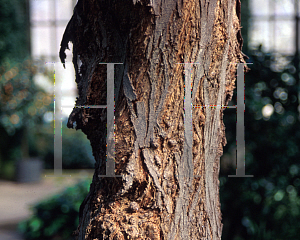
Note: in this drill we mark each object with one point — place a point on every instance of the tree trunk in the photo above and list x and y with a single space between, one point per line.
169 187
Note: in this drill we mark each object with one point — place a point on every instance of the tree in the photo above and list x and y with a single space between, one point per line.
169 187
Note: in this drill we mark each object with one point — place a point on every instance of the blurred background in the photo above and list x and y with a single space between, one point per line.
30 35
33 206
267 205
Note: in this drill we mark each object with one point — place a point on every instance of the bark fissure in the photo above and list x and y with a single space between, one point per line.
169 185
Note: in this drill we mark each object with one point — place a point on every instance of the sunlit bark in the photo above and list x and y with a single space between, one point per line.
170 188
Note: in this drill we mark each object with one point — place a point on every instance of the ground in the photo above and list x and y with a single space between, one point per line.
16 198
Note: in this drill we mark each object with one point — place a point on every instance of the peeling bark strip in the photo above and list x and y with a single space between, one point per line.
169 187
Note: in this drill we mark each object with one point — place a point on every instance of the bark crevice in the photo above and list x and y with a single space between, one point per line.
169 185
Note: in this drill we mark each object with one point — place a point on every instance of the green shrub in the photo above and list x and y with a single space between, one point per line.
56 217
76 148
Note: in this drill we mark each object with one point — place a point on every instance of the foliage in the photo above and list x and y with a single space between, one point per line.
56 217
14 34
22 103
73 157
22 107
267 205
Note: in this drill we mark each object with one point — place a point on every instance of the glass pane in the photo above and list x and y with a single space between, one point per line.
41 80
285 37
40 41
39 10
52 7
284 7
68 86
259 7
259 33
59 33
64 9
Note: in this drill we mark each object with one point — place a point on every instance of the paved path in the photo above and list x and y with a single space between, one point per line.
16 198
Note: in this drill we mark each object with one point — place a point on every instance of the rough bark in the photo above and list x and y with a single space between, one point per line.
163 194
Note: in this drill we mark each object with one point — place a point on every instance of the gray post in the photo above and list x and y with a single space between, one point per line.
240 125
110 140
188 118
57 128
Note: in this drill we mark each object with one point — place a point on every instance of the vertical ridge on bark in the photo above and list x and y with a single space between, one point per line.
158 196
